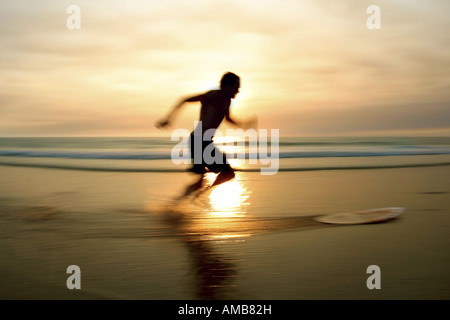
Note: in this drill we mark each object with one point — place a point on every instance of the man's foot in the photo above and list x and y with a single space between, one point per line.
224 176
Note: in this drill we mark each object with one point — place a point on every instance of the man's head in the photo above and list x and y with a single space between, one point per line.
230 83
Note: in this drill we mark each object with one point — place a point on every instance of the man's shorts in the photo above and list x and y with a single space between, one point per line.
217 166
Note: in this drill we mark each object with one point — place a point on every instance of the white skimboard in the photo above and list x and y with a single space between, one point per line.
362 217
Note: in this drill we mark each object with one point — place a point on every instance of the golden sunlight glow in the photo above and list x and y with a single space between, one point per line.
229 199
237 163
229 144
222 214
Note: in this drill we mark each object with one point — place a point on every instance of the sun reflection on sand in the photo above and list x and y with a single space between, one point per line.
229 199
226 203
219 213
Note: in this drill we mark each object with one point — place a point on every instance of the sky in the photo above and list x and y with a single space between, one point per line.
307 67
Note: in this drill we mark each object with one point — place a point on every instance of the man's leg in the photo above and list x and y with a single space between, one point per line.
226 173
224 176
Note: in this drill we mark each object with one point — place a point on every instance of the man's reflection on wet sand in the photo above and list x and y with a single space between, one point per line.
213 272
220 220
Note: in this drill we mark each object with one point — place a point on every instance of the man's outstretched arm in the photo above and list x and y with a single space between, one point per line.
167 120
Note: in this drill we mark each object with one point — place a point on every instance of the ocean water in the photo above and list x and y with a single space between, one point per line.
153 154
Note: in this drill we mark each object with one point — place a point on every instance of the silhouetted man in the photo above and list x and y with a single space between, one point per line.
215 106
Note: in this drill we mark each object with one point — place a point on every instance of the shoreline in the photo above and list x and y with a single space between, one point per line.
285 165
113 225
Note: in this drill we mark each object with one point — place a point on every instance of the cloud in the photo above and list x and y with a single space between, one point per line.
369 118
132 59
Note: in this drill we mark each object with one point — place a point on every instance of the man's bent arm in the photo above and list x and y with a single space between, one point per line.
231 120
242 124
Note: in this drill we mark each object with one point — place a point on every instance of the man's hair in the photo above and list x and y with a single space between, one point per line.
229 79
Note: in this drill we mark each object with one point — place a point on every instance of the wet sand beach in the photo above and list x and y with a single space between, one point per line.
259 242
